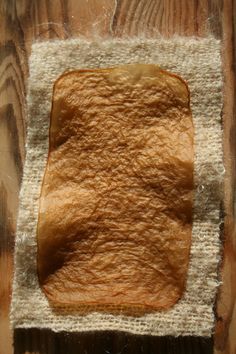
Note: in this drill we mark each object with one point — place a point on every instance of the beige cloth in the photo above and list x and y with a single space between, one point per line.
198 61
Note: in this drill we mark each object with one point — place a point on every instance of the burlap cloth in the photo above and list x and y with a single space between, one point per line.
198 61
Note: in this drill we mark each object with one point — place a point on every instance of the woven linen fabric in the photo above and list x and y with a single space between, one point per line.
198 61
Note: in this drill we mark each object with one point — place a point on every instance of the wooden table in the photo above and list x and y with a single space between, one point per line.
22 22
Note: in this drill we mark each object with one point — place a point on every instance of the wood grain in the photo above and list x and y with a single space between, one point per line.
225 341
23 21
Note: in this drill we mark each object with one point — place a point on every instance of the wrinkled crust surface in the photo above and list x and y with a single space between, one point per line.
115 214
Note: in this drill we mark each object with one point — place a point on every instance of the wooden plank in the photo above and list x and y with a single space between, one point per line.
225 341
22 22
36 341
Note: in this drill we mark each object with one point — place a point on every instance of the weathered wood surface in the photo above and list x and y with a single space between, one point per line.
23 21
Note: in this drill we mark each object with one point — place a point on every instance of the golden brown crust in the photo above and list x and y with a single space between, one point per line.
115 214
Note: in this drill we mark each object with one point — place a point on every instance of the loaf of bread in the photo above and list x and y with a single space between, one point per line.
115 214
